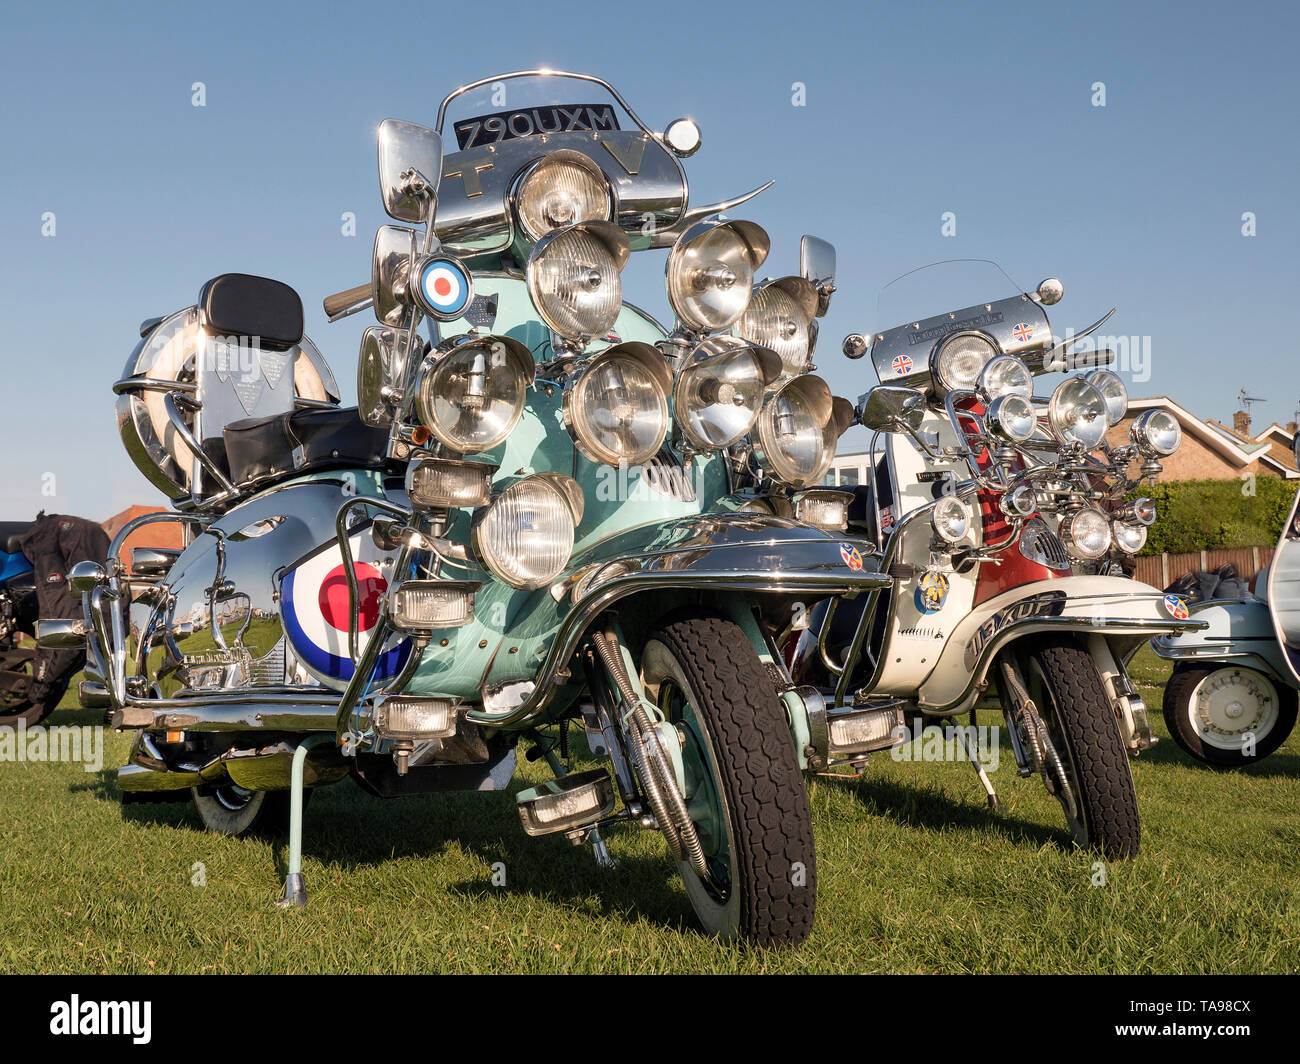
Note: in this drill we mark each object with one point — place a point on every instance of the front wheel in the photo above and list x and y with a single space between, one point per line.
743 790
232 810
1090 771
1227 715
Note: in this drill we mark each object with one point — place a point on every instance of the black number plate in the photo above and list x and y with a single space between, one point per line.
527 121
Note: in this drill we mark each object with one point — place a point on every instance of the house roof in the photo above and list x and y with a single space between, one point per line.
1249 444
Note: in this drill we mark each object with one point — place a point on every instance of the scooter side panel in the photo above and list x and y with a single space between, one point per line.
1238 629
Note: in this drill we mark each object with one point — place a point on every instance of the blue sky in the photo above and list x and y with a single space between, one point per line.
910 112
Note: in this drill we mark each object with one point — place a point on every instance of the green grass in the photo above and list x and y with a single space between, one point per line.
914 876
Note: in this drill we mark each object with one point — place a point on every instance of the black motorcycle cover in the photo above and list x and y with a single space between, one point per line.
54 545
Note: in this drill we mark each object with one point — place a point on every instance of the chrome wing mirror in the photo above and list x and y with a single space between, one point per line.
817 264
892 408
410 167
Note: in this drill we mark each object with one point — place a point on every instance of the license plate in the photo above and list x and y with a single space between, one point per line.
527 121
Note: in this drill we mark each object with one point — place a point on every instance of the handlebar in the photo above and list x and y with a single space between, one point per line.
341 301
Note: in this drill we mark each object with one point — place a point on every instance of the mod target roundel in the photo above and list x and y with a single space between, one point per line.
314 606
445 287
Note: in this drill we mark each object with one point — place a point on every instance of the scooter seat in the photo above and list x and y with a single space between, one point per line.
269 448
10 533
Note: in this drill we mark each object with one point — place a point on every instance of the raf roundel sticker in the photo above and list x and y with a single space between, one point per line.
314 605
1024 332
445 288
852 557
1177 607
902 364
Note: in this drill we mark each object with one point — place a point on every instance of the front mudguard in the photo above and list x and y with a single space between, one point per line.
729 562
1236 630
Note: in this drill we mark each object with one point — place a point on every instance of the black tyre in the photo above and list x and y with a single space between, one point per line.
745 794
231 810
1227 715
1071 699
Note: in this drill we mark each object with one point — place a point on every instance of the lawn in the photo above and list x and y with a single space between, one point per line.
915 875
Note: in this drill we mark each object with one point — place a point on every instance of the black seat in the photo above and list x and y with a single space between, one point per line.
265 448
11 532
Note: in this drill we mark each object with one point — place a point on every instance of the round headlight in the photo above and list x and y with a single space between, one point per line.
1021 501
1086 534
1141 511
958 361
796 431
1157 433
616 410
711 270
525 536
573 278
719 390
562 189
1113 392
472 391
1077 413
1129 538
780 317
1012 417
951 518
1006 375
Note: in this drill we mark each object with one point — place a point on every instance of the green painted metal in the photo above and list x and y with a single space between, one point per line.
295 798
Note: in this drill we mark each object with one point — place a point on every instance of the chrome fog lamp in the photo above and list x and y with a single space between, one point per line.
780 316
825 508
429 605
1012 417
1021 501
472 391
1130 538
86 576
710 272
573 279
797 429
1077 413
719 390
376 386
1141 511
1157 433
403 717
569 802
959 360
526 535
862 731
616 408
1086 534
683 137
447 483
1006 375
1112 391
951 519
559 190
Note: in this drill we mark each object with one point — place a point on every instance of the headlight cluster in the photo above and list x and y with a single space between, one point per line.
1077 413
719 390
574 279
1086 534
710 272
780 317
797 429
559 190
1157 433
526 535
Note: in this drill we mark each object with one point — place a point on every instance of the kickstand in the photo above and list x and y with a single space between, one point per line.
604 859
295 890
972 757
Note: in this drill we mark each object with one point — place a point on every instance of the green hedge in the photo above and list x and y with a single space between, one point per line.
1205 514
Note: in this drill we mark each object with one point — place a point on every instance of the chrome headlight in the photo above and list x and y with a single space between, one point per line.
1086 534
562 189
472 391
1130 538
616 410
1012 417
796 431
1113 392
1006 375
951 519
1021 501
1077 413
779 317
710 272
1141 511
525 536
959 360
719 390
1157 433
573 279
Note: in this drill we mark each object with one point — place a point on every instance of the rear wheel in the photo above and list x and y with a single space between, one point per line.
743 792
232 810
1227 715
1091 770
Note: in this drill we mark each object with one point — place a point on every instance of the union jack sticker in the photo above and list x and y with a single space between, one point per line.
1024 332
902 364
